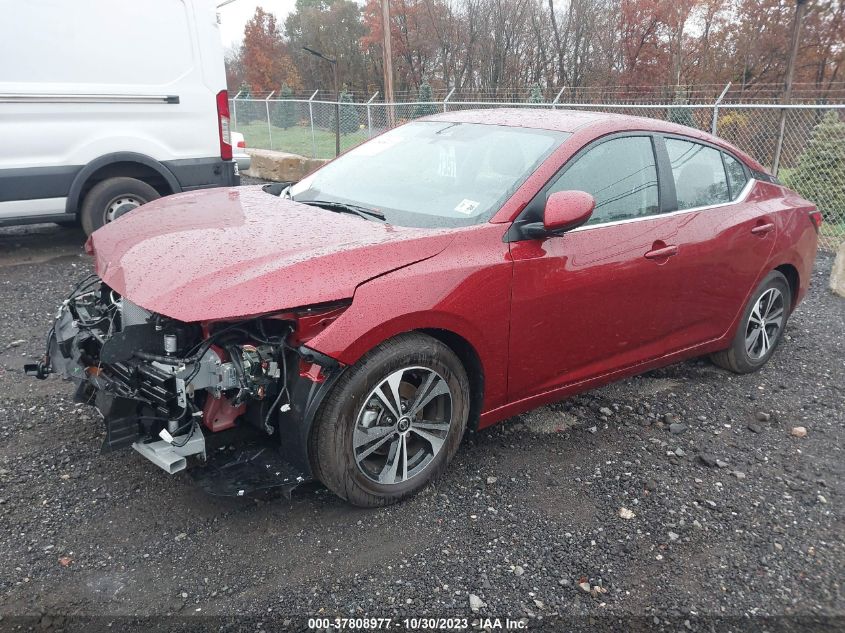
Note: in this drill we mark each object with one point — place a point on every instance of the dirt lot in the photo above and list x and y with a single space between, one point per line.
526 519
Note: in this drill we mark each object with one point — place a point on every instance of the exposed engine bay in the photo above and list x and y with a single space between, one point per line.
166 387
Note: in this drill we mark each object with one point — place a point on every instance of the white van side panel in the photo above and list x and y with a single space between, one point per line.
107 50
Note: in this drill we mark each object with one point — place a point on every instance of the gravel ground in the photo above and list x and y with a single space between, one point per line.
677 500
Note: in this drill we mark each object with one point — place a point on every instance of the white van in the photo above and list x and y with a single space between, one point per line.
108 104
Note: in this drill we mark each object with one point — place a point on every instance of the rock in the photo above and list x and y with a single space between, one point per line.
518 571
837 273
763 417
491 480
680 452
564 582
280 166
677 428
593 429
674 536
476 603
180 537
707 459
721 463
755 428
670 418
822 499
606 411
584 586
651 484
625 513
738 474
798 431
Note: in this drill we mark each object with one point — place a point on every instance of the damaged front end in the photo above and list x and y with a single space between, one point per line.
237 396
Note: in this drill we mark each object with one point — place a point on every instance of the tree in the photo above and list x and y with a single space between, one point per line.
681 116
820 165
425 98
348 113
536 95
264 55
284 114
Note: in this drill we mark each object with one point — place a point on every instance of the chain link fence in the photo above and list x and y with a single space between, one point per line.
809 156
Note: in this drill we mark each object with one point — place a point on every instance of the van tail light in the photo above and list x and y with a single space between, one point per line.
816 218
223 125
242 144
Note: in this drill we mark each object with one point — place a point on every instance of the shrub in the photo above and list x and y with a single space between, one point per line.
819 175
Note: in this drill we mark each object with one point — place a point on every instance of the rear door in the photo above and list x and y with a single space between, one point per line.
601 297
725 241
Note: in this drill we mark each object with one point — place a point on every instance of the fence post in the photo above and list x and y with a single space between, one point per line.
311 119
235 109
267 108
369 116
716 108
557 98
446 100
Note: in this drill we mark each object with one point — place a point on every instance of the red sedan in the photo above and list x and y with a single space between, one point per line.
450 273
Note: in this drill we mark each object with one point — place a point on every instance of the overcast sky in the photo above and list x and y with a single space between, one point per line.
234 16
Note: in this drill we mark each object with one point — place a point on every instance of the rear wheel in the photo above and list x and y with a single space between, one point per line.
392 422
761 328
112 198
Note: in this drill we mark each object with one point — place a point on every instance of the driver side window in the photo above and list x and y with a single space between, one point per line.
620 174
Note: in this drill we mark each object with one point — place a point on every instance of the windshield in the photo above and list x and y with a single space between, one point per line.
433 173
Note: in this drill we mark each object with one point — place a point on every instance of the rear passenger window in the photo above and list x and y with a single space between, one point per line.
736 175
620 174
699 174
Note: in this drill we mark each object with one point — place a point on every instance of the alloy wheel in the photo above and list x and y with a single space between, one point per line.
403 425
764 324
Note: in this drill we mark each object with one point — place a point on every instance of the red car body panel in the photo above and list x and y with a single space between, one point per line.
229 253
545 318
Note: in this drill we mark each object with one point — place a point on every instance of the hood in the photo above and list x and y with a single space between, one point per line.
226 253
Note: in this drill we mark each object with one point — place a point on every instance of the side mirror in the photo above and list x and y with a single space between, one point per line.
567 210
564 210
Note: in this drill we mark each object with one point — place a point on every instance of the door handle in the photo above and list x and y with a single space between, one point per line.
662 253
762 229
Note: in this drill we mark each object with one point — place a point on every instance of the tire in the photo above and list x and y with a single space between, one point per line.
112 197
772 298
352 411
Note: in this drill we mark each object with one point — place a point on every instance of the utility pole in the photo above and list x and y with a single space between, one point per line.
388 61
790 70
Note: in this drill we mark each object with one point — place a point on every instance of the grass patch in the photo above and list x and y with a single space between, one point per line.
298 139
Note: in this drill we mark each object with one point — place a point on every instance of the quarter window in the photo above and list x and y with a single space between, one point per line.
736 175
698 173
620 174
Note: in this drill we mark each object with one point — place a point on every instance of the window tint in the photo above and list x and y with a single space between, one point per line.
621 176
736 175
699 174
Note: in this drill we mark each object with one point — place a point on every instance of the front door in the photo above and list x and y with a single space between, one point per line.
600 297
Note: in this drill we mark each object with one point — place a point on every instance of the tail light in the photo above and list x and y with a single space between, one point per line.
223 125
242 144
816 218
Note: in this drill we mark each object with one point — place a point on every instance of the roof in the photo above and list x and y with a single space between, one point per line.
590 121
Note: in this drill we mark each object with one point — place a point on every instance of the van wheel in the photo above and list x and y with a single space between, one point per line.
392 422
111 198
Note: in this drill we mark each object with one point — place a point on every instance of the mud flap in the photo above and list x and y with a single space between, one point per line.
120 419
236 471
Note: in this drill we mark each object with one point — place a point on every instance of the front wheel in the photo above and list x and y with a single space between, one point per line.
392 422
761 328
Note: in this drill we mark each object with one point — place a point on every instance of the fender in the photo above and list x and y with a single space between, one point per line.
109 159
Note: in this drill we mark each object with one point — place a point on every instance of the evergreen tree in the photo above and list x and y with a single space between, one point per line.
681 116
536 95
284 113
348 113
821 167
426 98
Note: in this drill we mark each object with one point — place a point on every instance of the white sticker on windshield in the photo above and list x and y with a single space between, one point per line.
467 206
